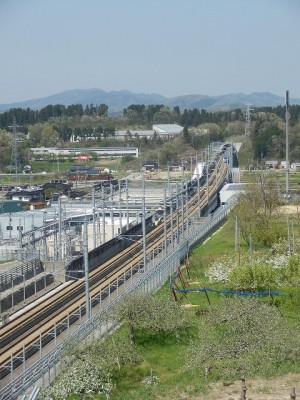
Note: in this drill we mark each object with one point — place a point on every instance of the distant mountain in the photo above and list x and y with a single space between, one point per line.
117 100
228 101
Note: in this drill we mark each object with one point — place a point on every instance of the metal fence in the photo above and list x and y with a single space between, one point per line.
8 254
25 270
44 371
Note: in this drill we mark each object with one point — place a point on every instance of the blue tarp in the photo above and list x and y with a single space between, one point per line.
224 291
227 291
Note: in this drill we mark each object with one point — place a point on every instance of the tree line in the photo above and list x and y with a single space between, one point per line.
136 114
58 125
28 116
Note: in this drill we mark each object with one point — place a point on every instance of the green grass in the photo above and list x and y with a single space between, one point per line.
219 244
294 178
26 179
163 358
56 167
56 170
60 168
164 355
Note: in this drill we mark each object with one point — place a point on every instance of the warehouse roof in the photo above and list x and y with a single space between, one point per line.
171 129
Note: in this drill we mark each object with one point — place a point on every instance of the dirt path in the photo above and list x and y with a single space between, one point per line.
257 389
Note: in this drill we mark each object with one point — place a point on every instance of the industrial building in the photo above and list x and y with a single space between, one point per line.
167 129
162 130
40 152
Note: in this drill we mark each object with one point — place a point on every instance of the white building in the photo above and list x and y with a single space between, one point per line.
30 224
75 152
295 166
162 130
231 190
122 135
167 129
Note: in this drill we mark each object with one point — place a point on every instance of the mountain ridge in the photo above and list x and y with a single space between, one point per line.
117 100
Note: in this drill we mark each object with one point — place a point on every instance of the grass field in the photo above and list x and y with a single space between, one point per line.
164 355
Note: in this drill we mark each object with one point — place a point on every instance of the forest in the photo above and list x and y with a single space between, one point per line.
93 125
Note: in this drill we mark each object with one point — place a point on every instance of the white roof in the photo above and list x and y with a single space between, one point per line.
168 128
133 132
231 189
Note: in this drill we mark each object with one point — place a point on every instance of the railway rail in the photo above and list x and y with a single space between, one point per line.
18 337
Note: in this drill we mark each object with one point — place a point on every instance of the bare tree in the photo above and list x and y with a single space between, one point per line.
258 209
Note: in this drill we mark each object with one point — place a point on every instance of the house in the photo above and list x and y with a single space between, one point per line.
27 196
271 164
150 166
78 169
177 166
295 166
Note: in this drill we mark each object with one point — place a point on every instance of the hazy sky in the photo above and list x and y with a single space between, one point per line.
171 47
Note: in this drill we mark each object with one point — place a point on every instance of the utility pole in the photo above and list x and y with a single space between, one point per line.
59 252
94 219
14 150
144 227
165 222
287 167
144 233
169 180
86 271
246 112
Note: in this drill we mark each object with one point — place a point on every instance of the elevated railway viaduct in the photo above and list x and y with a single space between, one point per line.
114 269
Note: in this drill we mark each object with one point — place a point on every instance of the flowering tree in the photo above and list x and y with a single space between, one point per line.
240 337
273 269
115 351
255 277
83 378
156 314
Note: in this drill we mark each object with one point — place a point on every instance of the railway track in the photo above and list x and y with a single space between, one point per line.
34 323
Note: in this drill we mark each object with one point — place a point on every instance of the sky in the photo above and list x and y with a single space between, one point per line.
170 47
